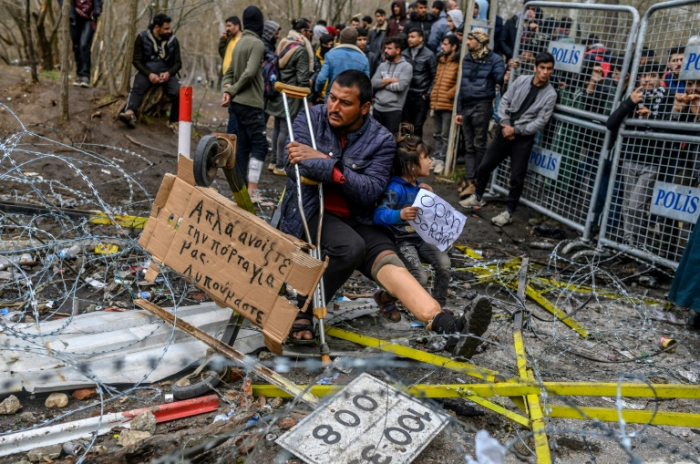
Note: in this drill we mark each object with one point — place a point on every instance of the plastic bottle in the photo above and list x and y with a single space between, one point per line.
68 253
146 295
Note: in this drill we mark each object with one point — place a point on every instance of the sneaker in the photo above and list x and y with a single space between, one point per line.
279 172
472 202
387 306
433 163
174 127
128 117
85 82
439 167
271 167
476 321
506 217
78 81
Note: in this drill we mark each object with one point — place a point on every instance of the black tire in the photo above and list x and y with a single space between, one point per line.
208 380
203 163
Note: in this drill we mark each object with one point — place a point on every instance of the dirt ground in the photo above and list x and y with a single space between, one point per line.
621 346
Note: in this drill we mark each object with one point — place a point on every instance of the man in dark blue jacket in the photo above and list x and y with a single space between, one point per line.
352 163
482 70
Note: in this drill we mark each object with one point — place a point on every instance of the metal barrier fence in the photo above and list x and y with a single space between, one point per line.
593 46
652 200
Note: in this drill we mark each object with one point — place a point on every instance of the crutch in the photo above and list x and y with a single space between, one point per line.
319 303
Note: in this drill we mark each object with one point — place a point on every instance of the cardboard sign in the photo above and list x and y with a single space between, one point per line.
238 259
567 56
545 162
690 68
366 422
676 202
438 223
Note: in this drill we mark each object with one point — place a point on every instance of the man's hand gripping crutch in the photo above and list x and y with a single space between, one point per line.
318 301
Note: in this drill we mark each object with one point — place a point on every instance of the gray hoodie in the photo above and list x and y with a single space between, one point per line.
536 117
393 96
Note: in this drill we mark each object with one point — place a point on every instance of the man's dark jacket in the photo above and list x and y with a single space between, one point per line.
479 79
147 60
96 9
423 24
509 33
424 69
365 163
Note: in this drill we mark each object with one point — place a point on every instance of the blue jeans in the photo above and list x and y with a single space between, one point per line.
252 136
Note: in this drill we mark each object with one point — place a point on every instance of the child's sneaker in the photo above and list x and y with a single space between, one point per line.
387 306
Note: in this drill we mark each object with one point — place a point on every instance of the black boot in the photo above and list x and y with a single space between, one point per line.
467 327
693 320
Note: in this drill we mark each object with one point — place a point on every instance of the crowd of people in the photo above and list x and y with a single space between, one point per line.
373 84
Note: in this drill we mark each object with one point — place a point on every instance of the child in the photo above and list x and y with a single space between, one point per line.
411 162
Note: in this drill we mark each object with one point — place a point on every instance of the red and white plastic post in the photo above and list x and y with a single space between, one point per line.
185 125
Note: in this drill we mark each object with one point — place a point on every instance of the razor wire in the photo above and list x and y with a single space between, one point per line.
48 282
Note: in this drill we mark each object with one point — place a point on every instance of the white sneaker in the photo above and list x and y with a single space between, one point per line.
472 202
502 219
433 163
439 167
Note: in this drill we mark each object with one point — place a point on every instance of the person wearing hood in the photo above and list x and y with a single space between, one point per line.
271 33
243 90
421 19
325 44
295 61
509 34
343 57
482 71
398 19
483 9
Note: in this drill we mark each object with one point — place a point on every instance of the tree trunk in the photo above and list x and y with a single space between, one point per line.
65 61
30 41
44 43
129 48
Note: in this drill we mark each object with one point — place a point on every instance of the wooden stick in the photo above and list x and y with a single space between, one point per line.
143 145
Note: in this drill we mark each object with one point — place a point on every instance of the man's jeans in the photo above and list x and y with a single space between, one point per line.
81 35
518 150
475 130
252 136
443 119
415 111
232 126
280 132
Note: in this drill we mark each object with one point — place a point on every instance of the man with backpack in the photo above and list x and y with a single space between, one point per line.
243 89
295 61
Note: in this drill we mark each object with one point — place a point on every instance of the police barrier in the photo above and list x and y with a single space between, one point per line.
653 201
593 47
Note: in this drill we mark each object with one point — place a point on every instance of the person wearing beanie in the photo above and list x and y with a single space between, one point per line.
482 71
271 33
345 56
295 59
243 91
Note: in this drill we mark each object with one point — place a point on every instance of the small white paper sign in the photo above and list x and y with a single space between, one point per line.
437 222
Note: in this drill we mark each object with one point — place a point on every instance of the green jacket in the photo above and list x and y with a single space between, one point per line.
295 72
244 74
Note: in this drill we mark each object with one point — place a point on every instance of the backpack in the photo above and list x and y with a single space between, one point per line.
271 70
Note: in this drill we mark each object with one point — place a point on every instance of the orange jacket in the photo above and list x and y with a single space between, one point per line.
443 95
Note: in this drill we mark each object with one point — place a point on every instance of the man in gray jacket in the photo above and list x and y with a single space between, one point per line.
390 84
525 109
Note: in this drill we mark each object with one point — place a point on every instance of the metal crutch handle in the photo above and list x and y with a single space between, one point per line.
318 301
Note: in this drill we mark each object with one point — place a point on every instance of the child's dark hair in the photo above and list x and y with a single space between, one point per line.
409 149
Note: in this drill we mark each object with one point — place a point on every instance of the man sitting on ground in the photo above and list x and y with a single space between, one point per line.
353 162
157 59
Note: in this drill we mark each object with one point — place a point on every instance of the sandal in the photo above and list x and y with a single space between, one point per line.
302 324
387 306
